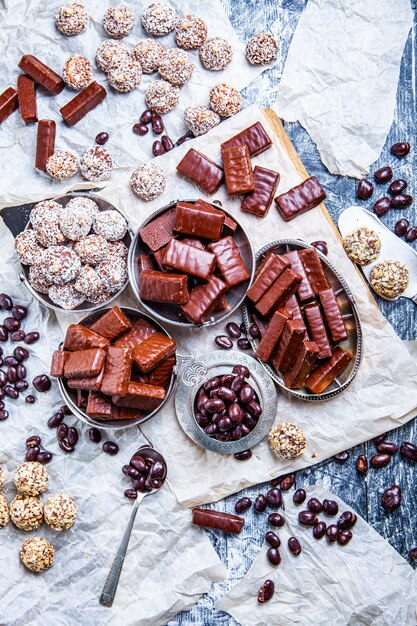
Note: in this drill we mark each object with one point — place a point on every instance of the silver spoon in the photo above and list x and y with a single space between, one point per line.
110 586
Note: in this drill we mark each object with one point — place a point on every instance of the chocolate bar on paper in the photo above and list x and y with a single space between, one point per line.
201 170
84 363
238 169
152 351
317 329
217 519
304 363
80 337
189 259
258 202
87 384
141 396
289 345
8 103
292 305
41 73
333 315
141 330
58 363
300 199
27 99
229 261
117 370
161 374
112 324
328 370
45 143
159 231
305 291
204 299
163 287
271 335
199 219
272 267
255 137
284 286
84 102
314 270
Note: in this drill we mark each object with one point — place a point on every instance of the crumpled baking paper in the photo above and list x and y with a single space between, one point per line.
28 27
169 563
365 582
340 78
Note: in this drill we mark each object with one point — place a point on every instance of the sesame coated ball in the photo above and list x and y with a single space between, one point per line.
4 511
75 223
118 21
162 97
60 264
107 51
77 72
216 54
66 296
287 441
148 52
26 512
190 32
47 209
88 283
225 100
148 181
72 19
60 511
176 67
31 478
27 247
37 554
159 19
96 164
62 165
124 73
110 224
92 249
261 49
2 477
200 119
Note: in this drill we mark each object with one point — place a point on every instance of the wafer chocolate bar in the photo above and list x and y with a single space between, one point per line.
163 287
304 363
204 299
80 337
58 363
41 73
45 143
317 330
333 315
161 374
328 370
284 286
292 305
99 406
305 291
84 363
27 99
271 335
258 202
124 413
140 396
314 270
289 345
229 261
300 199
8 103
229 226
141 330
145 263
193 241
159 258
117 370
189 259
217 519
199 219
238 170
201 170
272 267
112 324
84 102
87 384
255 137
152 351
159 231
81 398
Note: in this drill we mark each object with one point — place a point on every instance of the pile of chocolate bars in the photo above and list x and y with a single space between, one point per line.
120 370
299 318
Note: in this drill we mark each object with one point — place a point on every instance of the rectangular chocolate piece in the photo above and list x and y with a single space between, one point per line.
269 256
117 370
289 345
238 169
199 219
255 137
223 305
284 286
82 399
152 351
141 396
259 201
124 413
333 315
145 263
201 170
8 103
141 330
159 231
45 143
80 337
292 305
112 324
98 406
263 324
229 226
161 374
27 99
87 384
217 519
317 329
159 259
84 363
305 291
41 73
229 261
328 370
272 268
271 335
307 356
163 287
193 241
300 199
58 363
314 270
204 299
188 259
83 103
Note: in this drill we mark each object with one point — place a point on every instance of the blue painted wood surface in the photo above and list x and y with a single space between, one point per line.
363 494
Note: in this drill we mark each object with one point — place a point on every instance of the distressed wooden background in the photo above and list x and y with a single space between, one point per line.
362 493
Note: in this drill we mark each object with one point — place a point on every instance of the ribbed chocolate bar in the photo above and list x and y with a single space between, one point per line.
83 103
328 370
289 345
98 406
238 169
140 396
141 330
189 259
284 286
87 384
255 137
199 219
292 305
124 413
333 315
300 199
79 337
112 324
318 330
204 299
314 270
27 99
84 363
305 291
229 261
259 201
159 231
45 143
58 363
272 267
8 103
163 287
217 519
201 170
152 351
271 335
41 73
193 241
117 370
146 263
161 374
304 363
158 257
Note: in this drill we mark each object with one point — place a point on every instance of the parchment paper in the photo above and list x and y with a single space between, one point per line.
365 582
340 78
29 27
169 564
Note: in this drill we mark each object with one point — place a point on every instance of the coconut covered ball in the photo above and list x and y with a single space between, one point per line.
107 51
261 49
190 32
96 164
27 247
88 283
92 249
4 511
148 181
2 477
112 273
176 67
110 224
159 19
86 204
162 97
60 511
77 72
72 19
225 100
148 52
287 441
66 296
38 279
62 165
118 21
37 554
124 73
60 264
31 478
200 119
75 223
45 210
216 54
26 512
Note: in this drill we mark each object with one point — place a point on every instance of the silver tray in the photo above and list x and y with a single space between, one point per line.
349 313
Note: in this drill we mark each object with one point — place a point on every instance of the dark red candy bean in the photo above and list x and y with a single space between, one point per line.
319 530
238 382
260 503
30 399
243 344
243 456
332 533
411 234
20 353
184 138
62 431
241 370
11 323
266 592
65 410
397 186
408 450
125 469
274 497
2 394
243 505
250 421
140 484
294 546
157 124
401 200
274 556
18 335
10 360
387 447
321 246
4 335
307 518
211 430
380 460
42 383
3 378
110 447
400 149
212 383
379 438
33 441
21 372
233 330
226 380
391 498
224 424
44 457
6 302
299 496
383 174
342 457
19 312
223 342
132 494
102 138
72 435
330 507
32 453
362 464
276 519
55 420
65 446
254 408
254 331
157 148
1 405
11 392
381 206
94 435
401 227
140 129
21 385
344 537
158 471
236 433
413 554
365 189
167 143
146 117
4 415
214 405
201 420
226 394
138 462
31 337
314 505
347 520
246 394
287 482
272 539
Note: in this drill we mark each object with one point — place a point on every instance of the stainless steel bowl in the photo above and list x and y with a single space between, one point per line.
70 395
170 313
86 306
349 313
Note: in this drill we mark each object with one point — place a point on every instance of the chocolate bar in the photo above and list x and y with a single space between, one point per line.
161 374
307 356
318 330
45 143
163 287
159 231
199 219
238 169
141 330
159 258
255 137
112 324
87 384
140 396
289 345
79 337
305 291
81 398
314 270
328 370
145 263
300 199
229 261
201 170
58 363
84 363
265 262
83 103
8 103
27 99
271 335
263 324
204 299
223 305
152 351
189 259
333 315
284 286
117 370
98 406
292 305
272 267
217 519
41 73
229 226
124 413
259 201
138 377
193 241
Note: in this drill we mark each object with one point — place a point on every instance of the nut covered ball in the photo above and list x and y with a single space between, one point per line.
37 554
26 512
107 51
60 264
77 72
62 165
2 477
190 32
261 49
287 441
225 100
200 119
216 54
148 181
110 224
88 283
96 164
176 67
92 249
162 97
159 19
31 478
66 296
27 247
124 73
4 511
60 511
389 278
45 210
118 21
148 52
72 19
75 223
48 233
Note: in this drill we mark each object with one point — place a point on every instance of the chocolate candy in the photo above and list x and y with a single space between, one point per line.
58 362
99 406
152 351
140 396
271 336
112 324
304 363
318 330
292 305
87 384
328 371
189 259
27 99
229 261
145 263
204 299
141 330
284 286
229 226
266 592
161 375
259 201
83 103
45 143
159 231
8 103
163 287
199 219
216 519
41 73
333 315
314 270
401 149
300 199
84 363
255 137
271 267
238 169
117 370
365 189
289 345
201 170
79 337
305 291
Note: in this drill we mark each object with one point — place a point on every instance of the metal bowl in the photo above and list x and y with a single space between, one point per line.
86 306
70 395
171 313
349 313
